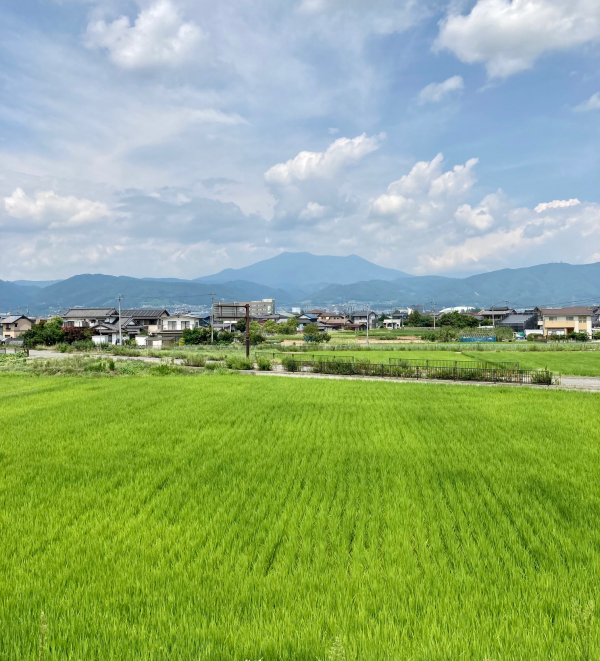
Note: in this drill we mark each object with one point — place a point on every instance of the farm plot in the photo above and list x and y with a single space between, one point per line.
234 517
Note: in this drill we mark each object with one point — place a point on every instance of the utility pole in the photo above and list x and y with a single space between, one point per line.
247 306
212 319
368 310
433 311
120 329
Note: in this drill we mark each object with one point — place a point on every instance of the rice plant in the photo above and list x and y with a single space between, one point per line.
228 517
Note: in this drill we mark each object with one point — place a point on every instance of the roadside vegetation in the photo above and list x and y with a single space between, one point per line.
255 518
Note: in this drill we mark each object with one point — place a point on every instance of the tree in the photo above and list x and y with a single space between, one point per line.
289 327
46 332
256 334
196 335
226 337
312 333
271 327
240 325
76 334
417 320
458 320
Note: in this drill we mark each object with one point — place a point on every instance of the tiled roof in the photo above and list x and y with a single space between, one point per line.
87 313
13 319
143 314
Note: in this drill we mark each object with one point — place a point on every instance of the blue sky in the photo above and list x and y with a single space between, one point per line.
180 137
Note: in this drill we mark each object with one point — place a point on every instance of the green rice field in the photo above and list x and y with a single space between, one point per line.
576 363
233 517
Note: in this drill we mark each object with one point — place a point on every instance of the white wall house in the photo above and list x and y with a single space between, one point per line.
179 322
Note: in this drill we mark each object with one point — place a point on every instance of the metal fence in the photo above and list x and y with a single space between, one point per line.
473 364
303 357
454 373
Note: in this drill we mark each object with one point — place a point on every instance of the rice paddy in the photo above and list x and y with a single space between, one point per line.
241 517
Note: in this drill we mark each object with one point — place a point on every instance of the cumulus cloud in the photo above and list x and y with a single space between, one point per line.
593 103
311 164
48 208
159 36
435 92
312 210
425 185
557 204
508 36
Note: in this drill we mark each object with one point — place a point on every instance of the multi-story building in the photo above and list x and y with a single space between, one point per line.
14 326
562 321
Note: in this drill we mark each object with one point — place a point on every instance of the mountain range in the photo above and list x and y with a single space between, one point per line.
306 279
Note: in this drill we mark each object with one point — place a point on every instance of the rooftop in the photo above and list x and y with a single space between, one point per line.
577 310
143 313
85 313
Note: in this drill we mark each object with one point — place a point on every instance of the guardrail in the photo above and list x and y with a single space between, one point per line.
455 373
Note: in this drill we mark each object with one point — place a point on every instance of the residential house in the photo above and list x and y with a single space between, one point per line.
361 317
179 322
520 322
494 315
393 324
88 317
15 325
562 321
306 319
333 317
327 326
150 320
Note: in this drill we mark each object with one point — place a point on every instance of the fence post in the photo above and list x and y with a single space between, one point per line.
417 371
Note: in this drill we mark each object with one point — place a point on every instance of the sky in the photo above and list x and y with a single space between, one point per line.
175 138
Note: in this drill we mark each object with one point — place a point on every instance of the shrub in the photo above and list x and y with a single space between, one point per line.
264 364
194 361
289 364
239 363
213 366
164 370
579 337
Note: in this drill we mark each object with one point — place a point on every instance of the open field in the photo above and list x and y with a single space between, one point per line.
233 517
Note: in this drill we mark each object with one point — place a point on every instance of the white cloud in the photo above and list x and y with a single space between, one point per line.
480 217
435 92
557 204
159 36
312 210
310 164
510 35
593 103
53 210
426 183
